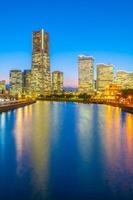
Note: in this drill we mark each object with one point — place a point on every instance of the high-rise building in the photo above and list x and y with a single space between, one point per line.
26 80
105 76
41 79
86 74
16 82
2 86
57 82
125 79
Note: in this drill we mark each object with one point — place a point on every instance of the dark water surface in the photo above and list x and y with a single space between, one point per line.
66 151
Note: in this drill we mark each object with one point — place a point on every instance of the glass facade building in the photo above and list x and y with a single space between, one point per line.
16 82
40 73
86 74
105 76
57 82
125 79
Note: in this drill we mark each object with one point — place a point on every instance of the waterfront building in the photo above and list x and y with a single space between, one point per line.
2 86
121 77
16 82
73 93
125 79
105 76
112 91
57 82
40 79
86 74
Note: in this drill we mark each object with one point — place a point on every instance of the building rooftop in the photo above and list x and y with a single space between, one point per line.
124 71
15 70
84 57
105 65
57 72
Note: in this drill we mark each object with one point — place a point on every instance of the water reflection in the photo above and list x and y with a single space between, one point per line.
40 146
66 151
118 137
2 131
129 142
32 144
85 132
22 134
118 143
106 143
112 134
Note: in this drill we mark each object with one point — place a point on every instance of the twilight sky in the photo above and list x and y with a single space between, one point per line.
101 28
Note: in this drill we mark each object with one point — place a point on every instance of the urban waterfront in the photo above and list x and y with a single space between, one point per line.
51 150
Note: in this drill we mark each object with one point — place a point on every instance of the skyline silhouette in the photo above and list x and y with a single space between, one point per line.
101 29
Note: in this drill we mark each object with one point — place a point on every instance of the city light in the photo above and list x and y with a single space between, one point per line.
39 83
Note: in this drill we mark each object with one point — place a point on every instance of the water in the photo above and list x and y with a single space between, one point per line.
66 151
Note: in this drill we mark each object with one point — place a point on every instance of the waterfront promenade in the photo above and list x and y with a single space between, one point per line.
10 105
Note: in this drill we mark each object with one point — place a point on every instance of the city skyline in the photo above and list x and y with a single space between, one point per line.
92 30
66 100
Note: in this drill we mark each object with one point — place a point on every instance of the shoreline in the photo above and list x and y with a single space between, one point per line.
19 104
14 105
123 107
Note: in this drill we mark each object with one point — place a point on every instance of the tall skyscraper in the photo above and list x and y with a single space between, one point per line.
16 82
105 76
41 79
125 79
86 74
57 82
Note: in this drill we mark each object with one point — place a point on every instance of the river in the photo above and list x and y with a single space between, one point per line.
66 151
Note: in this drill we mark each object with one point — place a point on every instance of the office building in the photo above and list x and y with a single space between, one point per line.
16 82
26 81
40 74
105 76
125 79
86 74
57 82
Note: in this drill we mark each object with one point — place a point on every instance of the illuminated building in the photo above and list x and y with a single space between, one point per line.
57 82
121 78
26 81
129 82
16 82
86 74
105 76
41 79
2 86
112 91
125 79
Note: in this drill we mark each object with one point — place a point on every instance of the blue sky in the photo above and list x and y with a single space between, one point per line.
101 28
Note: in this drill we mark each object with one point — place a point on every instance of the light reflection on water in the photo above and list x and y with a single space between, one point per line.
52 150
